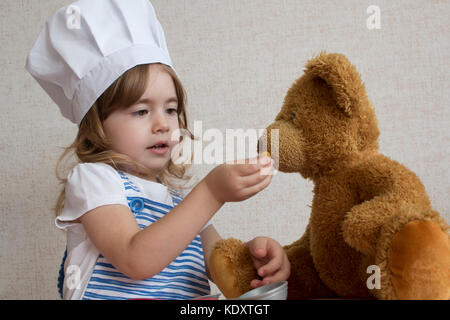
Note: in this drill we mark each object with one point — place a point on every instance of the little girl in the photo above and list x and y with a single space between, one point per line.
130 233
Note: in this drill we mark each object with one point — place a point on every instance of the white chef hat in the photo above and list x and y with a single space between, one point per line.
84 47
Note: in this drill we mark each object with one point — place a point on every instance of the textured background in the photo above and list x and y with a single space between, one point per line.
236 59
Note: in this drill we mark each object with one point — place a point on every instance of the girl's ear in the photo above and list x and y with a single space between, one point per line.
342 77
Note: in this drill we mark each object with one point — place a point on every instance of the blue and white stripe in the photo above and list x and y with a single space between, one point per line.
183 278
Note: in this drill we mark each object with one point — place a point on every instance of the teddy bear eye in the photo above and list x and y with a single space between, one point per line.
293 115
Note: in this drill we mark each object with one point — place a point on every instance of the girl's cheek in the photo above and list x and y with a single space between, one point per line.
175 136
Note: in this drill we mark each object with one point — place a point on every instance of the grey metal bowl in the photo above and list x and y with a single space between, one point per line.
208 297
271 291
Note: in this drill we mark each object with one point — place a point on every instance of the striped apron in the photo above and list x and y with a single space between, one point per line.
183 278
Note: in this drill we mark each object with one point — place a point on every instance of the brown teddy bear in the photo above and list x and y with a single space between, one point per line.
370 215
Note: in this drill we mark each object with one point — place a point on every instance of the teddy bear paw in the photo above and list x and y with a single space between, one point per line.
231 267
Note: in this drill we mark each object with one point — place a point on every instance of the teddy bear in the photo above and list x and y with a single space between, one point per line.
370 215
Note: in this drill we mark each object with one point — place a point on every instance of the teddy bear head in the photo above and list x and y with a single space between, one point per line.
326 120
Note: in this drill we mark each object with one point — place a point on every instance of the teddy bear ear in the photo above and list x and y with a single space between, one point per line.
341 76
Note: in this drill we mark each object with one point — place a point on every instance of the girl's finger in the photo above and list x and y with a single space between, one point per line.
258 247
251 166
258 251
251 191
274 264
281 274
257 177
252 179
255 283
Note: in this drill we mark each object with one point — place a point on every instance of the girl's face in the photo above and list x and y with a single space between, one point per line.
151 121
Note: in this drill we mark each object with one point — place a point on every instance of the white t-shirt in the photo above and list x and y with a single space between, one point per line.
90 185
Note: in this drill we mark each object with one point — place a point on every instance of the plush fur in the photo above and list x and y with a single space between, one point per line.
367 209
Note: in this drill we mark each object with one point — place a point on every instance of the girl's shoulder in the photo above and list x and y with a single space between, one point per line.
92 171
92 166
90 185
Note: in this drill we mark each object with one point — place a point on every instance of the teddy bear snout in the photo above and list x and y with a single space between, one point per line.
284 142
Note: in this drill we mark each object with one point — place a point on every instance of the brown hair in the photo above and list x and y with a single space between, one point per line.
91 143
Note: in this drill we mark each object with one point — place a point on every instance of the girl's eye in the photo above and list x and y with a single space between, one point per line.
172 110
140 113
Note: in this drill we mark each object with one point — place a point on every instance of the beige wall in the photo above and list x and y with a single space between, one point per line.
236 59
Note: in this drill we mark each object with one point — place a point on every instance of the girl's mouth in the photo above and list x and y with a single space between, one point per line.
159 149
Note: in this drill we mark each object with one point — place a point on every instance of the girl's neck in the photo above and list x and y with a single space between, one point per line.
149 176
152 177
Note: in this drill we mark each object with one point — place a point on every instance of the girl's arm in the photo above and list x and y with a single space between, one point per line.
209 236
140 254
143 253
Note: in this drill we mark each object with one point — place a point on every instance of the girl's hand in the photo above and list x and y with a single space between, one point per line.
270 261
237 181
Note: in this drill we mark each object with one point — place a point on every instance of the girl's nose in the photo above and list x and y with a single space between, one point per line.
159 122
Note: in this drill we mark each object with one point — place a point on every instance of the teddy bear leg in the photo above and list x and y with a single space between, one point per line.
304 281
231 267
418 260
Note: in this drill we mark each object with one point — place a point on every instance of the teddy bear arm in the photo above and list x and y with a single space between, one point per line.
231 267
362 224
